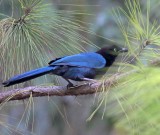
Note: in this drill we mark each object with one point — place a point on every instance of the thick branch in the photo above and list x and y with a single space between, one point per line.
39 91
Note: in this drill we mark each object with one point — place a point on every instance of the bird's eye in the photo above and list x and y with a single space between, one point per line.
115 50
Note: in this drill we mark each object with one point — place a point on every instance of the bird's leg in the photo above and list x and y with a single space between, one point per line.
70 84
91 81
87 79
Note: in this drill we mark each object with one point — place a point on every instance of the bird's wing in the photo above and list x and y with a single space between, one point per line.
54 60
90 60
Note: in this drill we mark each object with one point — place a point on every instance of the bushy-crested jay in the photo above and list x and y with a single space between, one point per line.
78 67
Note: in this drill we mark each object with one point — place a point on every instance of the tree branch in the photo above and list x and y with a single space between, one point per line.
39 91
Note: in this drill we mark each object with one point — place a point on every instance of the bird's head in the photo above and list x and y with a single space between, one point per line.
112 50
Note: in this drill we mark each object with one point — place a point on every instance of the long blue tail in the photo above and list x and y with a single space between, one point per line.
28 75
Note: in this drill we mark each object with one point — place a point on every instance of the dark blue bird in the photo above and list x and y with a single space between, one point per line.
78 67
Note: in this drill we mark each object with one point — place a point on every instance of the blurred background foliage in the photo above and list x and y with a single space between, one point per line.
35 31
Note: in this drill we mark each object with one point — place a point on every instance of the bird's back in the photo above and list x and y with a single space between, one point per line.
89 60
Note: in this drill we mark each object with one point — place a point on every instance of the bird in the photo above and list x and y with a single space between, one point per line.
77 67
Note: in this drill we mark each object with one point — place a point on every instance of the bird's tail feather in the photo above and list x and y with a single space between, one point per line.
28 75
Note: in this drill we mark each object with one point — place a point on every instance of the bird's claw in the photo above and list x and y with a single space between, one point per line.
89 83
71 86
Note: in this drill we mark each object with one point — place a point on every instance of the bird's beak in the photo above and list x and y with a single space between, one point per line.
123 50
